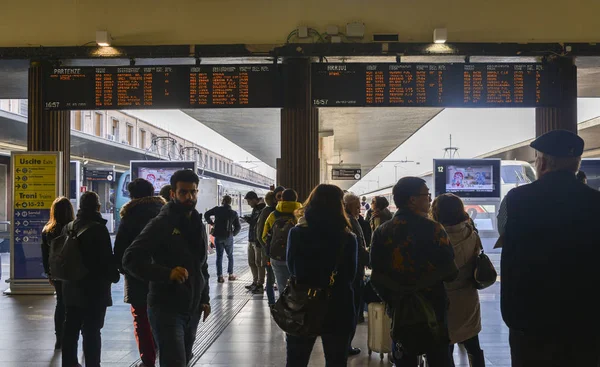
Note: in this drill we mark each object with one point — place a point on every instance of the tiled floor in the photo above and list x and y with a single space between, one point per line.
249 338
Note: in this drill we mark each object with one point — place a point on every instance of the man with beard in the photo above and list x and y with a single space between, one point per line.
170 253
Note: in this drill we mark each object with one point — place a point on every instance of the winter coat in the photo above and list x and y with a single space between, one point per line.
363 254
47 238
170 240
223 215
378 218
98 259
464 314
311 257
285 207
252 221
367 231
260 226
135 215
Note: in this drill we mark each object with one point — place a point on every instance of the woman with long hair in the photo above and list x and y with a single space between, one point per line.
61 214
464 313
323 234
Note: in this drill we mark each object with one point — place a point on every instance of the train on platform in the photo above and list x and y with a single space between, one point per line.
211 189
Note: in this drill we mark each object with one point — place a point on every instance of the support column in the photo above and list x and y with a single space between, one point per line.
565 115
298 167
47 130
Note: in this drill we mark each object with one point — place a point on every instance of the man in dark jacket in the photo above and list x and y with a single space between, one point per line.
86 300
254 251
352 207
413 251
271 202
549 261
226 226
170 253
135 215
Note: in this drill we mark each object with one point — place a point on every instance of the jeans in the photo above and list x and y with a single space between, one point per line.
256 265
270 278
282 273
224 244
143 334
539 350
436 357
59 311
89 321
174 334
358 286
335 347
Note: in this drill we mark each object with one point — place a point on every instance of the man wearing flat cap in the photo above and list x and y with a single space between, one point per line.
549 270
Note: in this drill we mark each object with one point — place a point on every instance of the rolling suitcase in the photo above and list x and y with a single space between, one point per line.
380 324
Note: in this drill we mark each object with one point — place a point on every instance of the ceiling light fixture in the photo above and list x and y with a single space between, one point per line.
440 35
103 38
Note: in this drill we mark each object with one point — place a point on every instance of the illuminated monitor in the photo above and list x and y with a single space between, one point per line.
158 173
467 178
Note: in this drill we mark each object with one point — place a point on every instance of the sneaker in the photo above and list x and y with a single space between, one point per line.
232 277
251 287
220 280
259 289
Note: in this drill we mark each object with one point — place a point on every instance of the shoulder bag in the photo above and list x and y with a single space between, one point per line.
484 274
301 309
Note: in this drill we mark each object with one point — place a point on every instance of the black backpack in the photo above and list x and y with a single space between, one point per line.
278 235
65 260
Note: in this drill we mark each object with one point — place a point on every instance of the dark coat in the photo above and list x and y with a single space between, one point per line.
410 248
47 238
363 254
168 241
366 228
252 221
262 219
304 244
223 215
97 255
550 257
135 215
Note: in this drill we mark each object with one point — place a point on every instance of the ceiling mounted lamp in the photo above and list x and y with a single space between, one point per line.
440 35
103 38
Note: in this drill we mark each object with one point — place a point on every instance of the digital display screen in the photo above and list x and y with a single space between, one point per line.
434 85
158 177
158 173
162 87
591 168
468 177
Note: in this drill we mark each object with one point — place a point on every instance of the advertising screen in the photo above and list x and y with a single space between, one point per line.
591 169
468 177
158 173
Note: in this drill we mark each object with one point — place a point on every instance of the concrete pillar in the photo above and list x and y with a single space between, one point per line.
563 116
47 130
298 167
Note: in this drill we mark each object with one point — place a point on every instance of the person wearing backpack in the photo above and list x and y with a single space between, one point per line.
226 226
275 234
87 299
61 214
322 250
135 215
255 258
464 314
411 257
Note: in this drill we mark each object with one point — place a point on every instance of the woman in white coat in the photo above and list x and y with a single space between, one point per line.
464 314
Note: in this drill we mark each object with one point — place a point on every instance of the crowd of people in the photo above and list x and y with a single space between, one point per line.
427 250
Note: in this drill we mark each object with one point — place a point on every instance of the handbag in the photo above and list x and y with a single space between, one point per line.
301 309
484 273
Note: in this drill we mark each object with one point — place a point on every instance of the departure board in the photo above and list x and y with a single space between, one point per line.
434 85
162 87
